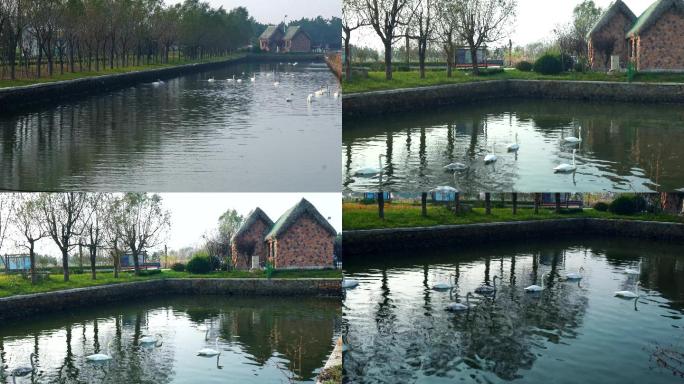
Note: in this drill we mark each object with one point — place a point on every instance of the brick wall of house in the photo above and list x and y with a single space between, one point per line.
255 234
661 47
300 43
614 31
305 244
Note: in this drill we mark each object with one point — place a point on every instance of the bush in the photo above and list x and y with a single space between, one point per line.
626 205
149 272
524 66
178 267
199 264
490 71
601 206
548 64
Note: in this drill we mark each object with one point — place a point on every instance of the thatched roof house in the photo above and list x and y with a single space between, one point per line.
271 40
607 37
296 40
276 39
248 241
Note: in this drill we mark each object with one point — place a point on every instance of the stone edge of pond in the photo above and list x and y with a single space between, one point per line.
334 360
362 242
13 99
15 307
362 104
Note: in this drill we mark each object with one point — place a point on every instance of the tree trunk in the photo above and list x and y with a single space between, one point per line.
449 48
381 205
488 203
136 261
93 256
388 60
347 54
32 257
515 203
423 204
473 58
422 48
536 203
65 264
558 202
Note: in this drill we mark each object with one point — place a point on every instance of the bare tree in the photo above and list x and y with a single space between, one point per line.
481 22
27 222
446 30
61 219
386 16
422 29
352 19
7 204
94 222
113 223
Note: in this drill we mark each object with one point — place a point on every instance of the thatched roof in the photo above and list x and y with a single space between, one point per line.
653 14
253 217
293 214
616 8
293 31
268 33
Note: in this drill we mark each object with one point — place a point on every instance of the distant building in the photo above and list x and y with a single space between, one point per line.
653 41
275 39
301 239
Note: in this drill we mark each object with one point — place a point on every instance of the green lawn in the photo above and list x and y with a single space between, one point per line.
376 80
106 71
361 216
16 285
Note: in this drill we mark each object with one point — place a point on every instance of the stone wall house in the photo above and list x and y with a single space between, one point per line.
296 40
607 37
271 40
301 239
657 37
248 241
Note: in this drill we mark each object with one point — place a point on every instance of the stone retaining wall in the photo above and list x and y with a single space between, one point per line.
364 242
27 305
413 99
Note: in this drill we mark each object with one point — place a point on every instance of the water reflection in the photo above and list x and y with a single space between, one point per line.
261 340
624 147
188 134
398 328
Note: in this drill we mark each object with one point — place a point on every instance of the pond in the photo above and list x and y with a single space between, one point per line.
398 329
188 134
624 147
261 340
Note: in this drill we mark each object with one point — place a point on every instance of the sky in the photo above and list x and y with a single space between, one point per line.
535 20
194 214
274 11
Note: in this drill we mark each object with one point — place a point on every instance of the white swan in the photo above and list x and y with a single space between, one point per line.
24 371
565 168
239 81
211 80
442 286
514 147
253 78
370 171
629 294
349 283
151 339
98 357
277 83
485 289
573 139
209 352
491 157
310 98
158 83
231 79
455 167
295 64
457 307
632 271
536 288
575 276
336 95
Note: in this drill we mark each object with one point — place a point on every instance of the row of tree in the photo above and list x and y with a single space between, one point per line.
448 23
80 35
132 222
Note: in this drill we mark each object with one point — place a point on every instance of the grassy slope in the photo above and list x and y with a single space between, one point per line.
360 216
376 80
106 71
17 285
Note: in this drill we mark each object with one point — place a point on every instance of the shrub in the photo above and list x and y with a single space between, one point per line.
149 272
490 71
178 267
601 206
626 205
199 264
524 66
548 64
269 269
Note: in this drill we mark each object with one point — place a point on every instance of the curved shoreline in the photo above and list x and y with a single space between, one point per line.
363 242
14 99
358 105
26 305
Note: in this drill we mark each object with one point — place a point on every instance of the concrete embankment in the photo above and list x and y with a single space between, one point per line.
363 242
417 99
26 305
13 99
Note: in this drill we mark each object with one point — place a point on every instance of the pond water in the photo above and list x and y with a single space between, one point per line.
398 329
262 340
625 147
188 134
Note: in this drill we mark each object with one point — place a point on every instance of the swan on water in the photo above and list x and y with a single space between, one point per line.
370 171
23 370
575 275
151 339
485 289
629 294
158 83
514 147
349 283
490 157
573 139
253 78
536 288
455 167
310 98
231 79
211 80
564 168
442 286
277 83
239 81
209 352
632 271
457 307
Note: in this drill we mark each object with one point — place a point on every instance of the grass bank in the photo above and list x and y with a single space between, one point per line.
376 80
11 285
115 71
399 215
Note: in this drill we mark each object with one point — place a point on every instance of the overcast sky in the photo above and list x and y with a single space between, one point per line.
193 214
274 11
535 21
